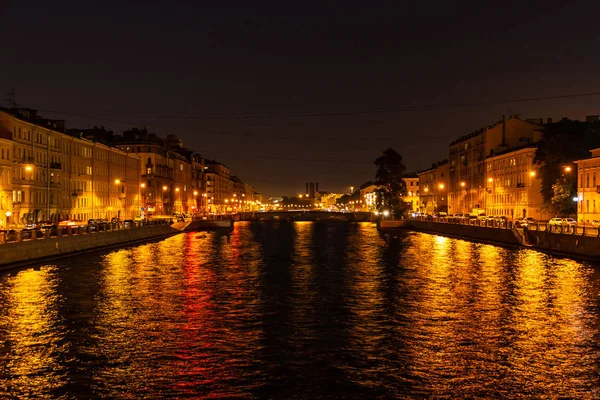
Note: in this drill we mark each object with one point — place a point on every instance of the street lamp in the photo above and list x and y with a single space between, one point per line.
117 183
462 185
142 186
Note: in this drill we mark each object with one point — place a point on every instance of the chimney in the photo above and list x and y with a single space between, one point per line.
317 189
503 131
306 188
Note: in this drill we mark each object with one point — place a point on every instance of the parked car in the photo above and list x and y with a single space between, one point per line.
67 222
98 224
10 235
596 222
562 222
524 223
115 220
45 225
440 215
501 219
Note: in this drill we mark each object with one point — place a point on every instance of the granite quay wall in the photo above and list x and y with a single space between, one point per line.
575 241
22 251
479 233
561 243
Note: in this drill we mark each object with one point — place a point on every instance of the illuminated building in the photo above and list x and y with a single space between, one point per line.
166 171
57 176
513 186
219 186
588 187
412 188
467 155
433 184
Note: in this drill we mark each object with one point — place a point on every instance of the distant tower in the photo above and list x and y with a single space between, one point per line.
10 98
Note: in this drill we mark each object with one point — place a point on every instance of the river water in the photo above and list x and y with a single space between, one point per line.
302 311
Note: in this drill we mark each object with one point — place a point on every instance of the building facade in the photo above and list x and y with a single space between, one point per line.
588 188
166 177
52 176
467 155
433 184
219 187
412 188
513 187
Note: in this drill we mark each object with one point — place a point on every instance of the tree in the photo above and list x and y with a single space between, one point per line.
391 188
562 201
562 143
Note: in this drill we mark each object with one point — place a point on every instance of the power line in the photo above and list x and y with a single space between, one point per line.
402 109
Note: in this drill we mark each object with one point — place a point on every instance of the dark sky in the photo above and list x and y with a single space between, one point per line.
249 86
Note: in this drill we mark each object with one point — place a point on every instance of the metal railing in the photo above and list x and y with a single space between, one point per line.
56 232
565 229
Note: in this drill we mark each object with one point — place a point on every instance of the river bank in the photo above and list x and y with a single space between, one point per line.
14 254
541 238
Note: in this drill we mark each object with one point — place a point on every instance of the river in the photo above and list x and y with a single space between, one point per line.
304 310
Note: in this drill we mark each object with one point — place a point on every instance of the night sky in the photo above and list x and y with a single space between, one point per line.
278 93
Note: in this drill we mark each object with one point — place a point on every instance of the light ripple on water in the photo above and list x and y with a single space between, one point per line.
302 310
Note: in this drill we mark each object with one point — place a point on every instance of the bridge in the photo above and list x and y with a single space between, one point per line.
305 215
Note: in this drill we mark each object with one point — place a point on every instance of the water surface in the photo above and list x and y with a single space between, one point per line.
302 310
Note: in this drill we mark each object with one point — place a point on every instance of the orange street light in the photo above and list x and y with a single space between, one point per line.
117 181
532 173
490 179
195 193
568 169
177 189
441 186
28 168
143 185
462 184
165 188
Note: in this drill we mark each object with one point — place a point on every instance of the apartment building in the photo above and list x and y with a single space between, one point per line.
588 187
50 175
412 188
219 186
513 186
433 184
467 155
166 183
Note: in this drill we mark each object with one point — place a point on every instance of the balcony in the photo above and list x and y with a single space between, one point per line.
598 189
55 165
55 184
520 185
77 192
122 195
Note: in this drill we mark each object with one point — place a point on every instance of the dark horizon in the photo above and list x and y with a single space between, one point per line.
199 72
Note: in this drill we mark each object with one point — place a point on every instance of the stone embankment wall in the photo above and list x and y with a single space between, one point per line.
546 241
29 250
482 234
584 246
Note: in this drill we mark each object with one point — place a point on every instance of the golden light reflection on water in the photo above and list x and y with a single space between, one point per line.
31 334
304 310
